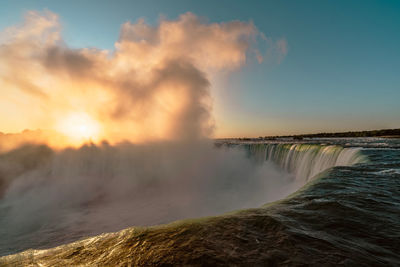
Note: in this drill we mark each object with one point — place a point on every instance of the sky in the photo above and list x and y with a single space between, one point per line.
339 70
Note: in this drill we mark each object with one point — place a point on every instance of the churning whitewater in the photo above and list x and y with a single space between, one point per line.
54 197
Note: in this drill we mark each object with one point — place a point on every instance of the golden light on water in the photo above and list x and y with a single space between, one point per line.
79 128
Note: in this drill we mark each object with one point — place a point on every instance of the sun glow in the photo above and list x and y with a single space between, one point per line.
89 95
79 128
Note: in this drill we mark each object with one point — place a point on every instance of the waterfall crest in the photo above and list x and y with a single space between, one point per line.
305 160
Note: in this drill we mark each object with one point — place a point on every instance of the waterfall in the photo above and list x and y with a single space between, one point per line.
305 160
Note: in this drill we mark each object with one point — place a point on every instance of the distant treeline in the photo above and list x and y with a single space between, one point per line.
374 133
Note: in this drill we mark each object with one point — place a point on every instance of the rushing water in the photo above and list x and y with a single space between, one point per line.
346 212
305 160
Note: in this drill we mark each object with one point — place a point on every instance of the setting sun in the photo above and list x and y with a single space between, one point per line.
171 133
79 127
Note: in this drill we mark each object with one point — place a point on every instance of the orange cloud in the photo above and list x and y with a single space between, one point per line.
154 85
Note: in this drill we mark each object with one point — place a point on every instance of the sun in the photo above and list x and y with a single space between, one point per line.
79 128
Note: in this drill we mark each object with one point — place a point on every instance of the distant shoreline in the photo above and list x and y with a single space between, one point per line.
384 133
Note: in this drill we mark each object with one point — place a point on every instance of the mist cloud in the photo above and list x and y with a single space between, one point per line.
153 90
153 86
53 197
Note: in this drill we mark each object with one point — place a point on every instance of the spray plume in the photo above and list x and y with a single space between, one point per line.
153 90
153 86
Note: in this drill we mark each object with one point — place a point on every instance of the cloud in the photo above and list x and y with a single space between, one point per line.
154 85
282 49
277 49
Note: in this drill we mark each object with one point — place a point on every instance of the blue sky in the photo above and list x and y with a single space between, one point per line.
341 71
